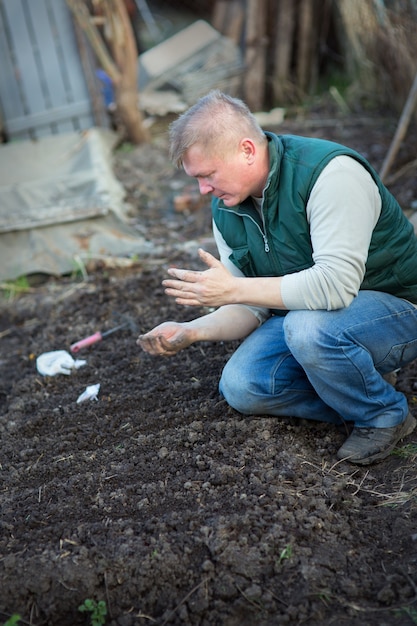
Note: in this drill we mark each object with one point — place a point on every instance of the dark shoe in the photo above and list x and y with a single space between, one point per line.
367 445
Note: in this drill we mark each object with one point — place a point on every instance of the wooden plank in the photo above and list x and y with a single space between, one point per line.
11 99
98 106
235 22
307 35
284 40
46 50
50 117
255 54
219 15
41 69
70 60
26 66
228 18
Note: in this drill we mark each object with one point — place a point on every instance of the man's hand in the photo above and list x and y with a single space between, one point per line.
224 324
213 287
166 339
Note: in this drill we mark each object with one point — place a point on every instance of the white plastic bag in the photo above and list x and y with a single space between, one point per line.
90 393
57 362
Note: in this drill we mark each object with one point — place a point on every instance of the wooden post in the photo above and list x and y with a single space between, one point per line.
119 60
100 115
219 15
306 37
284 34
255 54
229 18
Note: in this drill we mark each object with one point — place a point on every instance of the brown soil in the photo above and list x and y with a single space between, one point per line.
158 498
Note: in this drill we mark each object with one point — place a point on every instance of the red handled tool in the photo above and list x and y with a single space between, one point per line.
95 338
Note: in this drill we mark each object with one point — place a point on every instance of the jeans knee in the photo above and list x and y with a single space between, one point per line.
304 332
234 387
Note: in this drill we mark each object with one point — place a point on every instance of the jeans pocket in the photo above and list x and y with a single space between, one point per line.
398 356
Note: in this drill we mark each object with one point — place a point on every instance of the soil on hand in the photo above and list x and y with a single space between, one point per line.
157 497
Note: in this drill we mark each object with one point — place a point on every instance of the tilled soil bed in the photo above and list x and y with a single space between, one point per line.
158 498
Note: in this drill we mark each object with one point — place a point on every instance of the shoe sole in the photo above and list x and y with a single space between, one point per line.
408 426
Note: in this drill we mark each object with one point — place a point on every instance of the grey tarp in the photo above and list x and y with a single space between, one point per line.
60 204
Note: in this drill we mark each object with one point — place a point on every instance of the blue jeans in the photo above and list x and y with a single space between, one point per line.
326 365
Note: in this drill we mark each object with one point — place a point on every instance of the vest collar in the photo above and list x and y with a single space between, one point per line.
276 150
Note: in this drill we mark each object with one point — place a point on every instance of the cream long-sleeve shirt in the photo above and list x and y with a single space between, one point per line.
342 211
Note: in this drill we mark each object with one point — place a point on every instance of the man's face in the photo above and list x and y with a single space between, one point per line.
229 178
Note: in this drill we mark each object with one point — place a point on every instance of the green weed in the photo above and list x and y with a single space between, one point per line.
98 611
407 451
11 288
13 620
125 147
79 270
408 610
325 597
286 553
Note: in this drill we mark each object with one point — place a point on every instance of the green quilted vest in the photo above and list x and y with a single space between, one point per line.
279 242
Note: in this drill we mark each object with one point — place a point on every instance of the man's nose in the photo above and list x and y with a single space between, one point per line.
204 187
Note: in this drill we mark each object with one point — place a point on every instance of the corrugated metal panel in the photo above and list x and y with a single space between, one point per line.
42 86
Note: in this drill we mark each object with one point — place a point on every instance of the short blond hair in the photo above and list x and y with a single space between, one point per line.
217 122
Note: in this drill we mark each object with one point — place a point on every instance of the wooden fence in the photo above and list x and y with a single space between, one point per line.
43 89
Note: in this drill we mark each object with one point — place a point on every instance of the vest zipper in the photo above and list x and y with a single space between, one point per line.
264 237
263 231
261 212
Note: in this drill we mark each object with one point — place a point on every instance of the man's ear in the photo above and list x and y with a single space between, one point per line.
248 149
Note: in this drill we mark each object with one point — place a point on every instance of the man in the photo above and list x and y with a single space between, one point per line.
317 271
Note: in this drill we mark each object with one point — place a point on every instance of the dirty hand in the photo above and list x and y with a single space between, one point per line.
166 339
211 287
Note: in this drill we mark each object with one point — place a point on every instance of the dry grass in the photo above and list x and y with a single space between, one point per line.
404 480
